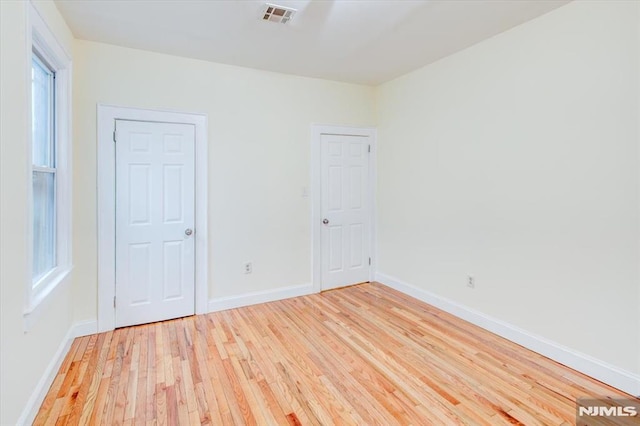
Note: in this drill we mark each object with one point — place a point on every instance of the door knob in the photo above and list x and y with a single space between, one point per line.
188 231
325 221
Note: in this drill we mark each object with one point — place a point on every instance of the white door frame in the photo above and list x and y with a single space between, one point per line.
316 204
107 114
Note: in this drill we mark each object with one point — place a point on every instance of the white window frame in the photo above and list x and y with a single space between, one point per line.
41 39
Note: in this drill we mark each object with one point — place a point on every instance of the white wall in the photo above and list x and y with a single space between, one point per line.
517 161
259 136
24 356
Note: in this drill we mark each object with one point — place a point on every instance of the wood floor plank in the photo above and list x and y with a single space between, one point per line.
91 362
362 355
122 396
60 378
115 358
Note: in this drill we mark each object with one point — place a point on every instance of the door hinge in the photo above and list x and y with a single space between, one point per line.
369 148
114 302
114 135
369 261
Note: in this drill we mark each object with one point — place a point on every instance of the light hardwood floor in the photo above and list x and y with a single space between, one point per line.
361 355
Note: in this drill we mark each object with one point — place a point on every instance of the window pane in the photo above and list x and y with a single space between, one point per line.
44 256
42 114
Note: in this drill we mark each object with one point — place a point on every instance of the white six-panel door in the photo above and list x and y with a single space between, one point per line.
155 217
345 210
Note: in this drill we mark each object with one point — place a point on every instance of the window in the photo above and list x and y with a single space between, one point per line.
49 152
43 154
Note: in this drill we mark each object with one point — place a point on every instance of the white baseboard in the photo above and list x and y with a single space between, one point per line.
36 399
230 302
84 328
614 376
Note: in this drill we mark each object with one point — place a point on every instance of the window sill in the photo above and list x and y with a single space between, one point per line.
41 295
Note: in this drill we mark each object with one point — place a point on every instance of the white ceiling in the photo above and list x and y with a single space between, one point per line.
359 41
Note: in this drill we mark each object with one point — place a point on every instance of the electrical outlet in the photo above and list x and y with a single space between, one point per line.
248 267
471 281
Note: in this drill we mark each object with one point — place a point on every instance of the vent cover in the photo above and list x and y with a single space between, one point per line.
279 14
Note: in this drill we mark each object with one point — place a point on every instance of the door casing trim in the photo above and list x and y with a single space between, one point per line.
106 116
317 131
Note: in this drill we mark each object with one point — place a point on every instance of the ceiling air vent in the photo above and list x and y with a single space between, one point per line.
279 14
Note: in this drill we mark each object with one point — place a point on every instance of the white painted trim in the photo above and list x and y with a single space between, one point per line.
373 193
614 376
36 399
317 131
107 114
40 37
230 302
85 328
638 154
32 316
